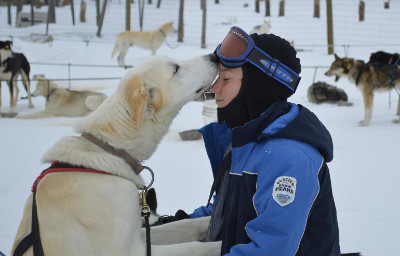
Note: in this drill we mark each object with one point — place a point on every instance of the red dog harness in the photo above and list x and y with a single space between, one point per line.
60 167
33 239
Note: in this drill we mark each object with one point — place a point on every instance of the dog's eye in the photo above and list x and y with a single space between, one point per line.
176 68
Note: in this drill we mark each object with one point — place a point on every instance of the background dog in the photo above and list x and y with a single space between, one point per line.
381 58
321 92
5 50
366 77
260 29
63 102
11 66
84 213
151 40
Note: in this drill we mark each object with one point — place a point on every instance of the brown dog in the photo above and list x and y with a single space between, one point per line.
367 78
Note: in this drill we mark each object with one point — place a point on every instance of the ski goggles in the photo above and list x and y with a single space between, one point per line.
238 48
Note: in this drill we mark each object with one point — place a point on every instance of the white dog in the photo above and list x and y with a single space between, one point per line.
63 102
262 29
151 40
82 213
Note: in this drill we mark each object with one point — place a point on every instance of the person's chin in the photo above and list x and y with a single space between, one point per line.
220 103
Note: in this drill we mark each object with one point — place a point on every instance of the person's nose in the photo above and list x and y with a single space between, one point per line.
216 87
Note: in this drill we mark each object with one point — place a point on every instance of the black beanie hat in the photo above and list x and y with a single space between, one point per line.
259 91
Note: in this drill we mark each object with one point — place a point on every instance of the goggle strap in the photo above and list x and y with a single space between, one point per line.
274 68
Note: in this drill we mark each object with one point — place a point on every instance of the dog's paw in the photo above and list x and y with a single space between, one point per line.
363 123
396 121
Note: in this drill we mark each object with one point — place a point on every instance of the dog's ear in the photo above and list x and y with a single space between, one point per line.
336 57
137 98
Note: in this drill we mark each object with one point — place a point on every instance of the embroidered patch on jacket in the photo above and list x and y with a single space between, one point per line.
284 190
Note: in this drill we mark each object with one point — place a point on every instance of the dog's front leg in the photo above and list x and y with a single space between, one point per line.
182 231
368 102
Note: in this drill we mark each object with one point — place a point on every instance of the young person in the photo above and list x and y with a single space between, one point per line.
268 156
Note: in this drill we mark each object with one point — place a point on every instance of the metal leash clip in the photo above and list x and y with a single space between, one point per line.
145 207
146 214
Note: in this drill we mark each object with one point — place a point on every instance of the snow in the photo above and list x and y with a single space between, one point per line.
364 175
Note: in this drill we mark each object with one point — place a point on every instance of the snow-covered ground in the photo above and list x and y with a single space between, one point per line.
365 170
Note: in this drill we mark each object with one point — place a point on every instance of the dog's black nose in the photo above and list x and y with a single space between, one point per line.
212 57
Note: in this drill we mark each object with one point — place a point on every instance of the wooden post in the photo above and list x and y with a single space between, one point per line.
329 23
9 12
316 8
141 13
97 12
32 14
203 24
82 16
398 108
127 15
19 9
217 1
257 5
72 12
158 3
282 8
51 12
103 12
180 21
386 5
361 11
38 4
267 8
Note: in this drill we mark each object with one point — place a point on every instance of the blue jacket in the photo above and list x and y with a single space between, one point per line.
279 199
